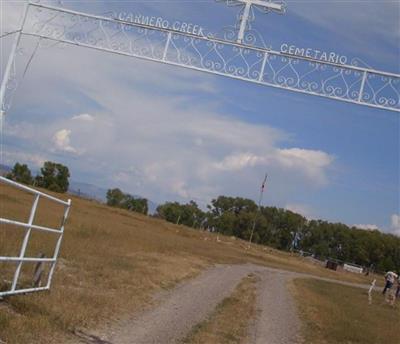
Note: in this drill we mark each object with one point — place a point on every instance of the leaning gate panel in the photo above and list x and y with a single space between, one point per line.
28 249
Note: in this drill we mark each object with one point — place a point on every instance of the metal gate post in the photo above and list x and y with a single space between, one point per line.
11 60
58 245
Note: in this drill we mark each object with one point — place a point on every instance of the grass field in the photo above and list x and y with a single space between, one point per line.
338 314
111 262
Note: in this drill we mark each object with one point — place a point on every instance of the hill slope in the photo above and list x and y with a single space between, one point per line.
111 263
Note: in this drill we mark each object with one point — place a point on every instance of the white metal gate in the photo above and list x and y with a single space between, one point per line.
29 226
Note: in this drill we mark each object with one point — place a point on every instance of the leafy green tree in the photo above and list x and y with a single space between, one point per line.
21 174
233 215
193 216
169 211
115 197
186 214
54 177
138 205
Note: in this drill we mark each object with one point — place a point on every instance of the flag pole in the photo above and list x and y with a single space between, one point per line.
259 209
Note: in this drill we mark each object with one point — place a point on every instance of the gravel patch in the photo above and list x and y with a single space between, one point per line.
277 321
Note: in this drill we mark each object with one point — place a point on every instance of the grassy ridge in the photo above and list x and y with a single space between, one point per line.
111 262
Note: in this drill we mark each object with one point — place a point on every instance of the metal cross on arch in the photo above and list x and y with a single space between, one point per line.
265 5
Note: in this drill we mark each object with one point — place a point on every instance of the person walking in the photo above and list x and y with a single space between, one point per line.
390 277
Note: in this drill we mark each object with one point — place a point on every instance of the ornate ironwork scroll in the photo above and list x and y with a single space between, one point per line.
263 66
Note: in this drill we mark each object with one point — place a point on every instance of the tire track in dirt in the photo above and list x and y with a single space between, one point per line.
277 321
183 308
192 302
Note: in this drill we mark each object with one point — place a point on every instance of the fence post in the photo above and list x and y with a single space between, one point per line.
37 276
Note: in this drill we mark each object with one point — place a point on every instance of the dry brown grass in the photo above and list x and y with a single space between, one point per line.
338 314
112 261
224 326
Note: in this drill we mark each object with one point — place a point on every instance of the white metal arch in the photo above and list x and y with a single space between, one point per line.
226 57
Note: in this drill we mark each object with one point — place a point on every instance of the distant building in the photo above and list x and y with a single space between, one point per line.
353 268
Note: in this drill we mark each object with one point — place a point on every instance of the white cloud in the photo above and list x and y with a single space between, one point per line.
177 151
85 117
393 229
150 136
61 140
302 209
368 227
311 158
395 224
312 162
239 161
10 157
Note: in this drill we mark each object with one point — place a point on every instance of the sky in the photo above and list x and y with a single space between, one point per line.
169 134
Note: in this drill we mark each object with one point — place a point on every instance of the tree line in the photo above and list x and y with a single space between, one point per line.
55 177
236 216
116 198
52 176
286 230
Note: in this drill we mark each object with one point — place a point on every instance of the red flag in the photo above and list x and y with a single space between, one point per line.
263 184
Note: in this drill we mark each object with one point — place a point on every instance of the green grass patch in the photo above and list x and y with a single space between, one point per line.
334 313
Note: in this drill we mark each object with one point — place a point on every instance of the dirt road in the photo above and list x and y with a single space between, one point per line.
277 321
190 303
182 308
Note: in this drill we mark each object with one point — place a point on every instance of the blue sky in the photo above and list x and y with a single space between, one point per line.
173 134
